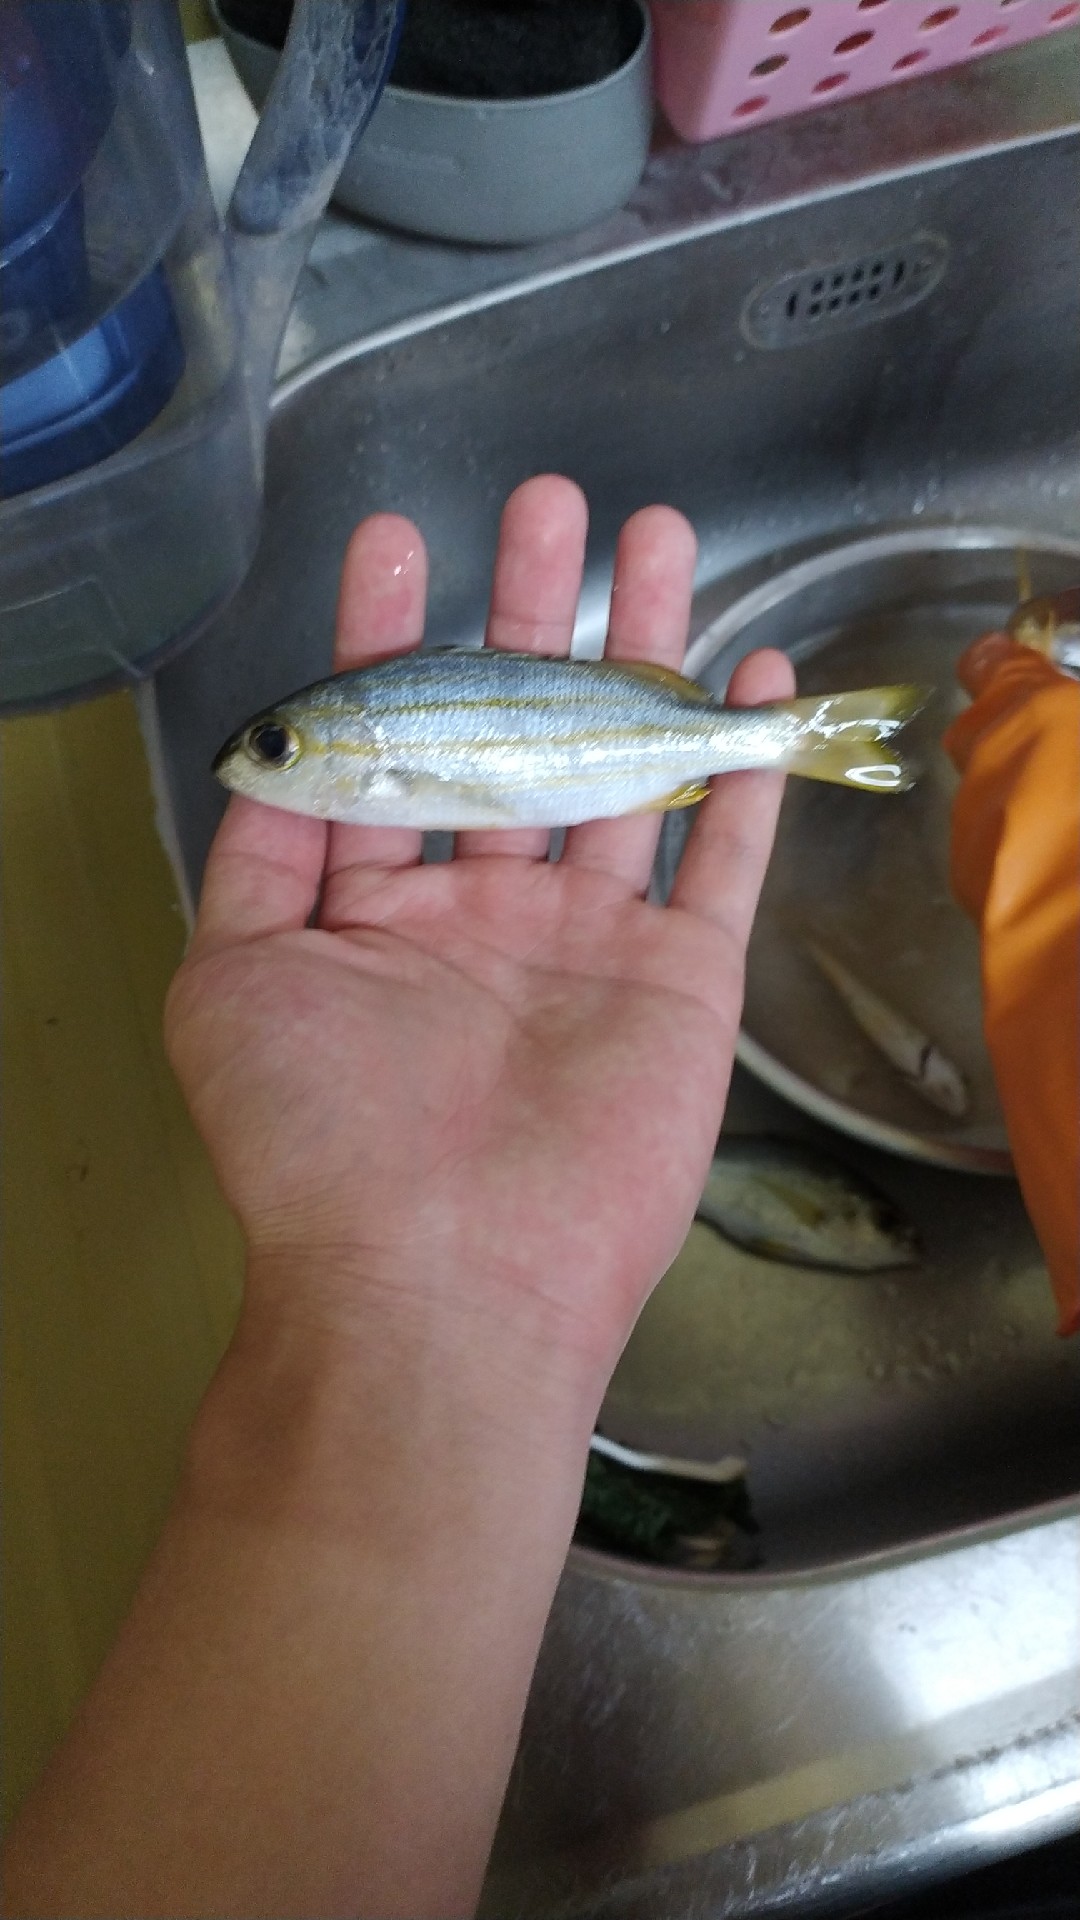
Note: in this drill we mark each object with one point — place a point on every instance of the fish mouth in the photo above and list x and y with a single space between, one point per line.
224 754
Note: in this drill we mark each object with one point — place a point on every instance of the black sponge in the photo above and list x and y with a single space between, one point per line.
513 49
486 49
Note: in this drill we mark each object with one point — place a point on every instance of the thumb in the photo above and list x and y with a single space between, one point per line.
262 875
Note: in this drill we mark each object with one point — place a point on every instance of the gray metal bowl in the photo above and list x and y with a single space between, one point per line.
489 172
866 876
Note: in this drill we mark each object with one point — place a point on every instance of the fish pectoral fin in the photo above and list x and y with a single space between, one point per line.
687 795
667 678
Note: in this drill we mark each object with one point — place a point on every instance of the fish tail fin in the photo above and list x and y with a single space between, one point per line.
845 737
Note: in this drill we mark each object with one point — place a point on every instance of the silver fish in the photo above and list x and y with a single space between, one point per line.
917 1060
480 738
790 1202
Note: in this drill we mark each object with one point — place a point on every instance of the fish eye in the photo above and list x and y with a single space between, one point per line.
272 744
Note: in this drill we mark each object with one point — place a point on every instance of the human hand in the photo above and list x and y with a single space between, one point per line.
484 1093
464 1118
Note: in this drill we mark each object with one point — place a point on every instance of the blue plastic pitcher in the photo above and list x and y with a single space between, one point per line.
139 335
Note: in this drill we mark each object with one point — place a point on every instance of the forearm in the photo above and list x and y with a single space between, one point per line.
313 1707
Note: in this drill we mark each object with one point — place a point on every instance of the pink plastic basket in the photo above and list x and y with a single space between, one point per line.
725 65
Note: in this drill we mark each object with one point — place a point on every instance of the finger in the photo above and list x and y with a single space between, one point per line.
650 613
381 606
262 874
534 597
720 874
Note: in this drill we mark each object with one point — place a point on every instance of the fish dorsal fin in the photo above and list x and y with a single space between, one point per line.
667 678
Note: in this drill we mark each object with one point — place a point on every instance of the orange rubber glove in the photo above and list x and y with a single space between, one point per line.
1016 870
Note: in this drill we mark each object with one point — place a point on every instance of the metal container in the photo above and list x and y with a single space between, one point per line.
868 877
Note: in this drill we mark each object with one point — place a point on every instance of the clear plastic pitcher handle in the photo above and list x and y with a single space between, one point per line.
326 87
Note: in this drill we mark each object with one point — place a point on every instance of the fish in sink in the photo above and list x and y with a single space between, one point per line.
786 1201
480 738
920 1063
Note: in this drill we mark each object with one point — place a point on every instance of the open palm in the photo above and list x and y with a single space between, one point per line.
489 1086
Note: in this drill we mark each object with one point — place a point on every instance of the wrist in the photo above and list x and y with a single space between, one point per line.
364 1420
483 1334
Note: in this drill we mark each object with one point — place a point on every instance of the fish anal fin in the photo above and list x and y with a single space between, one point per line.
687 795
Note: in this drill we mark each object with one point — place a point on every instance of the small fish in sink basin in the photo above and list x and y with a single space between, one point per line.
916 1058
786 1201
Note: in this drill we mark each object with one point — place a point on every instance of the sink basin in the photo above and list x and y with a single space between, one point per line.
891 1692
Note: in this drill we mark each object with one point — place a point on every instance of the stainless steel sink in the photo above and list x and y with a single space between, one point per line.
895 1690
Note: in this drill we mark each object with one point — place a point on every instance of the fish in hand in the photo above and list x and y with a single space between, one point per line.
483 738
